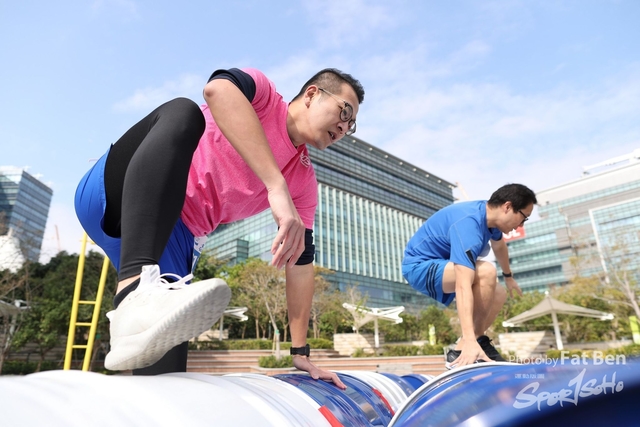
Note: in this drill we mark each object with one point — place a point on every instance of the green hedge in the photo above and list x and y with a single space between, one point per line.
628 350
400 350
433 350
272 362
359 352
392 350
19 367
314 343
320 343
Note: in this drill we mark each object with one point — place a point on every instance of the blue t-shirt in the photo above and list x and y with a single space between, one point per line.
457 233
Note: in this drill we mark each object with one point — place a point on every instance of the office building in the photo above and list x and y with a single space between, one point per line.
583 220
370 204
24 208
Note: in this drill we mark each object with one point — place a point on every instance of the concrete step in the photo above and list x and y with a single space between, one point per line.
244 361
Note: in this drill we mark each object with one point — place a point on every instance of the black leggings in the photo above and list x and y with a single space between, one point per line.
146 180
145 183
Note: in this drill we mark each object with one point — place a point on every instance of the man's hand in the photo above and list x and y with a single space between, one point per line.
304 364
512 286
289 242
471 352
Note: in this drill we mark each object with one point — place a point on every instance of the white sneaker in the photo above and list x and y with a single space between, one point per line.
159 315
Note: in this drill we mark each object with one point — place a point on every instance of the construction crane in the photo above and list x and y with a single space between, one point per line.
465 196
634 156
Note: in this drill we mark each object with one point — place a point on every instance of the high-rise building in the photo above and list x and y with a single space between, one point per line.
24 208
585 225
370 204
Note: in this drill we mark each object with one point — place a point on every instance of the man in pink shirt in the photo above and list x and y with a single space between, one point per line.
180 172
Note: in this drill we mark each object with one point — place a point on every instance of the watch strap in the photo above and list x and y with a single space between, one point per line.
302 351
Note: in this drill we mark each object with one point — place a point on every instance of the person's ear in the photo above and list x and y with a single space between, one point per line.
309 93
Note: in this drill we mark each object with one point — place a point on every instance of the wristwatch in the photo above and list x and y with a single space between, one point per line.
301 351
507 274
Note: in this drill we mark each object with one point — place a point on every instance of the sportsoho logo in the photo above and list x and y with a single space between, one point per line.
576 388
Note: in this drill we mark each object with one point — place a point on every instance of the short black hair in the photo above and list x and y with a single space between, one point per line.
332 80
519 195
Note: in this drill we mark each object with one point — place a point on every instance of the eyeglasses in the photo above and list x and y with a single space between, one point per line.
346 112
526 218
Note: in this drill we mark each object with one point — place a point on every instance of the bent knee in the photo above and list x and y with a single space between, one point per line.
486 272
186 115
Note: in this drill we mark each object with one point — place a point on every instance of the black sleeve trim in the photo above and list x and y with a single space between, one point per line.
242 80
309 253
470 256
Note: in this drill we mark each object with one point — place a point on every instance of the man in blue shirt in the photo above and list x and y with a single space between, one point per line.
441 261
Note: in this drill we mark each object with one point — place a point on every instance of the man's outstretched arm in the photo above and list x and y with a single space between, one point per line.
300 288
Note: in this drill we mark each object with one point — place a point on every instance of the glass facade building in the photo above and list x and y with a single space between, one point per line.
370 203
594 220
24 206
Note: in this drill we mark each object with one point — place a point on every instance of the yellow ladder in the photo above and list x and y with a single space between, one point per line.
93 325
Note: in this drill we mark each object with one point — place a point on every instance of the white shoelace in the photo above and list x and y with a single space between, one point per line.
180 283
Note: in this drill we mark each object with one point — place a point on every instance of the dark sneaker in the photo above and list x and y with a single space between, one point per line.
453 355
449 357
489 349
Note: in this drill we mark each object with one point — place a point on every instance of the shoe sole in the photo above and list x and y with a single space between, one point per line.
187 321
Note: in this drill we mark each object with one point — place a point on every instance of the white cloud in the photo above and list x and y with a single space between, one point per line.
151 97
291 74
296 70
487 135
341 25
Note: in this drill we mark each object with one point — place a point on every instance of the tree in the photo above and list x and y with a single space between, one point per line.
208 267
325 300
408 330
613 287
50 295
433 315
9 324
586 329
14 275
619 252
353 296
239 298
264 285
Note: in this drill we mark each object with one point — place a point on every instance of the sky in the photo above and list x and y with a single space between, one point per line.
480 93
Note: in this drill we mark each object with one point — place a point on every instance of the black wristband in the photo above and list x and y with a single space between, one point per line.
302 351
507 274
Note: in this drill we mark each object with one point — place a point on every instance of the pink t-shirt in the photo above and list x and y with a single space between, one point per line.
223 189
